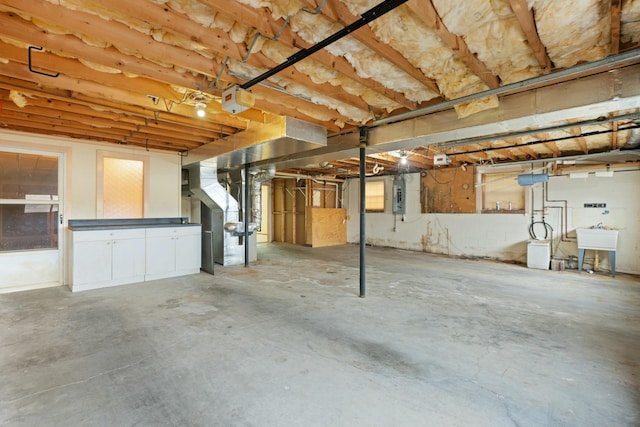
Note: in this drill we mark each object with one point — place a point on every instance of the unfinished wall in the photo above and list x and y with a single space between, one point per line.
449 190
505 236
289 201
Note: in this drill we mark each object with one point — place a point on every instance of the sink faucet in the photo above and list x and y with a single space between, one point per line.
599 226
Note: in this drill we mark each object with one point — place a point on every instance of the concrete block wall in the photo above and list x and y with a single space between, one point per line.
505 236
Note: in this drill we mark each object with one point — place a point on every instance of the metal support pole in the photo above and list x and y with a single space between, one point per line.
364 137
246 208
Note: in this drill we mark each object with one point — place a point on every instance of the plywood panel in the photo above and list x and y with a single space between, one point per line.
328 226
449 190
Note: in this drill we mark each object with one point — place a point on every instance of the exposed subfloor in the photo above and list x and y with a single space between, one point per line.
287 342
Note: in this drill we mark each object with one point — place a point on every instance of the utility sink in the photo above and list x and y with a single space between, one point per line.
597 238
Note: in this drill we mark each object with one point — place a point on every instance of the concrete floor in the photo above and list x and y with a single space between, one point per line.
287 342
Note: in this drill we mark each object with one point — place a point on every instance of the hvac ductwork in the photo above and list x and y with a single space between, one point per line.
218 208
634 139
281 136
257 178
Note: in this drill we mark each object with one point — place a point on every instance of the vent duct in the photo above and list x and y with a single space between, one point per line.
634 139
257 179
284 136
218 208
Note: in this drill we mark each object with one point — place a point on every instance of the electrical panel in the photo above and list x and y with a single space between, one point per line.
399 195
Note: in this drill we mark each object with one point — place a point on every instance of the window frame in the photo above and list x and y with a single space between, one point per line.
100 156
376 209
507 173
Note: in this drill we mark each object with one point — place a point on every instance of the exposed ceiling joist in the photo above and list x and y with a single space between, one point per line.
528 25
130 70
425 10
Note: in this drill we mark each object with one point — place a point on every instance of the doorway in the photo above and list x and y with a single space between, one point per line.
31 206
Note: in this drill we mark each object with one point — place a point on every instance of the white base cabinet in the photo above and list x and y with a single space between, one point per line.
102 258
172 251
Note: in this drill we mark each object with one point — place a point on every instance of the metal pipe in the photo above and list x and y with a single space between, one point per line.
364 137
246 208
594 66
302 176
597 122
328 183
370 15
564 216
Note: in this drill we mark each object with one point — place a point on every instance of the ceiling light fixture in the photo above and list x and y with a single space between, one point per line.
403 158
200 109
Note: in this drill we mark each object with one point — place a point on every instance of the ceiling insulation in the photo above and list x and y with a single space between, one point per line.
574 31
135 61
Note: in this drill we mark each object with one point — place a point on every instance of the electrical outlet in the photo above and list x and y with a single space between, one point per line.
595 205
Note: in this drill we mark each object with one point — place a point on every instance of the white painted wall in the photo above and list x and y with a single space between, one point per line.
80 187
505 236
621 194
34 269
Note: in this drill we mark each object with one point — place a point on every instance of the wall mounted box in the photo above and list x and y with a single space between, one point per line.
236 100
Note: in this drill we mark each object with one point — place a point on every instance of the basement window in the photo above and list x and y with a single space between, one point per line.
374 196
501 193
122 185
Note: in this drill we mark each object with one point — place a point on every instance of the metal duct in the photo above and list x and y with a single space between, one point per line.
256 193
634 140
283 136
221 208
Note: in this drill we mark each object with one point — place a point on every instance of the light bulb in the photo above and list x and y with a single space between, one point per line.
200 107
403 158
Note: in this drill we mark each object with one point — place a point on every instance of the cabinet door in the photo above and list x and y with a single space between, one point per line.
188 255
128 259
91 262
160 255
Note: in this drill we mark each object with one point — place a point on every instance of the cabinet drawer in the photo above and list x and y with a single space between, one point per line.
96 235
173 231
162 231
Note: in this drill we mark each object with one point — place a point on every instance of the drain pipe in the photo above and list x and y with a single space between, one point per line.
364 139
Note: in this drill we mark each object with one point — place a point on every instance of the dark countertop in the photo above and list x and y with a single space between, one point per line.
113 224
